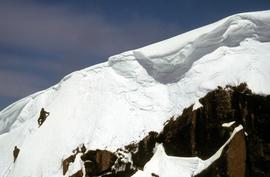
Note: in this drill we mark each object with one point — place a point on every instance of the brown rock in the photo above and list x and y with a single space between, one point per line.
144 150
98 162
236 156
154 175
105 160
232 162
16 152
66 163
246 156
90 168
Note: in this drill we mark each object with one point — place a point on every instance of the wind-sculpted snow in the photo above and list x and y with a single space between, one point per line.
117 102
169 60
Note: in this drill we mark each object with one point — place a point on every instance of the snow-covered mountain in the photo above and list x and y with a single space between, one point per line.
116 103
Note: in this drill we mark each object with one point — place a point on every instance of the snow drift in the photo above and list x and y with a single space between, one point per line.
112 104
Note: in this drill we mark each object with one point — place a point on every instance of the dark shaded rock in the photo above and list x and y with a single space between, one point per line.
144 150
16 152
42 116
127 173
90 168
89 155
154 175
105 160
236 156
98 162
66 163
200 132
232 162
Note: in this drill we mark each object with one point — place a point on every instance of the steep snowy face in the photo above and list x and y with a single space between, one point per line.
114 103
169 60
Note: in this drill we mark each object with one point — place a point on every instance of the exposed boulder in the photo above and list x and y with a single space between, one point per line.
143 151
98 162
70 159
236 156
66 163
232 162
104 160
16 152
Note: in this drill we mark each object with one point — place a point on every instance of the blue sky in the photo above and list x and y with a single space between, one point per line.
43 40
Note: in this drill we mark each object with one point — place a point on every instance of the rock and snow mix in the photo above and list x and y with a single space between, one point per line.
167 166
118 102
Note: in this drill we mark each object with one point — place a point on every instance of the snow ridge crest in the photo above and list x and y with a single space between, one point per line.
168 61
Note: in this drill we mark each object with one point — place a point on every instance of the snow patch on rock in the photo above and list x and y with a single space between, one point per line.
167 166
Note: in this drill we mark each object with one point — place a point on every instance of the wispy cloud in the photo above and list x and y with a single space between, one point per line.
60 29
63 40
16 84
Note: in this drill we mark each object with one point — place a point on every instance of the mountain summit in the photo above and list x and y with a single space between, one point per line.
111 105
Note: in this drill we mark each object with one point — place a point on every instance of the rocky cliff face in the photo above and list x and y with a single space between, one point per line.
201 133
246 155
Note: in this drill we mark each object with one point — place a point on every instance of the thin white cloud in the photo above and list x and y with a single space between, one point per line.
19 84
60 29
15 61
74 37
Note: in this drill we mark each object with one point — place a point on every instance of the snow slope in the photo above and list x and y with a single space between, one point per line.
109 105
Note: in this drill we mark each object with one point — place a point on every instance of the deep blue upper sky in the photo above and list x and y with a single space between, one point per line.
43 40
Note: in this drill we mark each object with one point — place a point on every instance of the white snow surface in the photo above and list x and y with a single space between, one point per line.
196 105
109 105
228 124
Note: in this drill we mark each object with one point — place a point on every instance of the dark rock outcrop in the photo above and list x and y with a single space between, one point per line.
232 162
143 151
66 163
200 132
126 173
16 152
98 162
236 156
